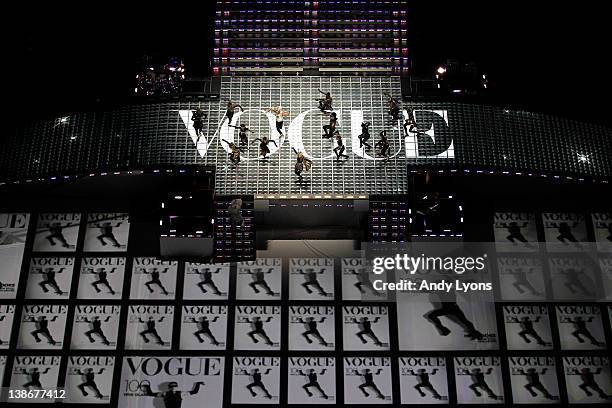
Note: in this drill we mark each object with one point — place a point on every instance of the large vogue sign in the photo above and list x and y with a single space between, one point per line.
423 143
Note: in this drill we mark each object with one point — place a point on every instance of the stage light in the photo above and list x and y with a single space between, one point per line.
441 70
583 158
62 121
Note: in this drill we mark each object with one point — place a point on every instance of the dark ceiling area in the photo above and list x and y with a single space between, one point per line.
538 57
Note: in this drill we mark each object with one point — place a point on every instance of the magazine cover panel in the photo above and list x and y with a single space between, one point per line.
57 232
311 327
534 380
564 232
13 234
365 327
107 232
42 327
580 327
311 278
257 327
259 280
153 279
95 327
203 327
50 278
162 382
423 380
367 380
312 380
256 380
602 225
7 313
149 327
515 232
101 278
587 379
478 380
32 373
89 379
206 281
527 327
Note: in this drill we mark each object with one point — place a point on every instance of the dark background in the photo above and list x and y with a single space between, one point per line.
541 57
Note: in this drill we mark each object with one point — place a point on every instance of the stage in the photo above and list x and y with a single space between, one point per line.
298 95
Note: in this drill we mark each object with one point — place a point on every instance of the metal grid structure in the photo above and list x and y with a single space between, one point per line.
275 175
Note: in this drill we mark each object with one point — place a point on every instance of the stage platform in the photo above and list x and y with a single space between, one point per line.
355 175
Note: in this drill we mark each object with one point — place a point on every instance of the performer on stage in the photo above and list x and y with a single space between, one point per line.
231 109
383 143
302 164
198 117
234 155
409 124
235 212
365 135
325 103
264 150
280 115
339 149
242 134
394 106
331 128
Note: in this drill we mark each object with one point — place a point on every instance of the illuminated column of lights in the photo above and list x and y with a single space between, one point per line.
310 37
361 36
